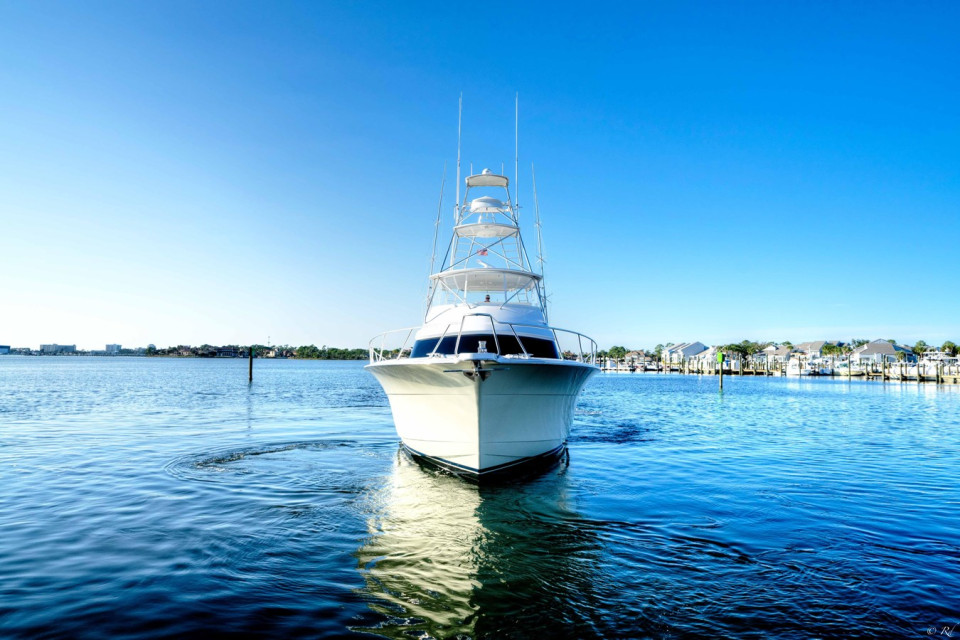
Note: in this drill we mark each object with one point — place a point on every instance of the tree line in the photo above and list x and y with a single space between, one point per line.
312 352
306 352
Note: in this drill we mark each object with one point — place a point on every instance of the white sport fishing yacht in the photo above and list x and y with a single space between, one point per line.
485 384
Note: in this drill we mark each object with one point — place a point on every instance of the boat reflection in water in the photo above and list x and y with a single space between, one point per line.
447 558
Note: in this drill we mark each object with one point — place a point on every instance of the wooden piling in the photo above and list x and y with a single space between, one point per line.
720 367
250 379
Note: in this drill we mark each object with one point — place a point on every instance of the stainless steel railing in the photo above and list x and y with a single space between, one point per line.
379 353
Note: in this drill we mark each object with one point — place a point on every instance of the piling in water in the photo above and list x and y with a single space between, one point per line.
720 367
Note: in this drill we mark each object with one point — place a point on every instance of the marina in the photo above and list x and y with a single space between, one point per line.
935 372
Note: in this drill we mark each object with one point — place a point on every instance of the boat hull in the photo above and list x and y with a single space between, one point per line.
482 416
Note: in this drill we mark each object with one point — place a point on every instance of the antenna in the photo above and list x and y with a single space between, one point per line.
536 206
436 232
436 227
459 122
516 157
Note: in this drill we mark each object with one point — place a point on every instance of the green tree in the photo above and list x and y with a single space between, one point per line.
949 347
307 352
617 353
745 348
920 348
858 342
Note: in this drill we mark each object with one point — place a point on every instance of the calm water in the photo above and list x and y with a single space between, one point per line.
154 497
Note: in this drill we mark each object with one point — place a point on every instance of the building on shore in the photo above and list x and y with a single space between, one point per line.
51 349
113 349
677 353
882 351
812 349
4 349
705 357
776 354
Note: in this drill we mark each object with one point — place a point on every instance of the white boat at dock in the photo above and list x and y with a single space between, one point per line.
824 366
484 384
796 367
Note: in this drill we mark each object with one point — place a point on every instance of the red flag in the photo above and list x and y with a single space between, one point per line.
482 252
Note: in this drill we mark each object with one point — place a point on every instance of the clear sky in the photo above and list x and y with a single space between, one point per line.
190 172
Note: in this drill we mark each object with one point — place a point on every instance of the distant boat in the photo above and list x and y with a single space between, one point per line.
823 366
797 368
485 385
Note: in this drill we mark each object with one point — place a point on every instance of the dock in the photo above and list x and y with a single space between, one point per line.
935 373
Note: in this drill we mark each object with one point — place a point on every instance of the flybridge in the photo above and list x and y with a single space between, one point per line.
486 261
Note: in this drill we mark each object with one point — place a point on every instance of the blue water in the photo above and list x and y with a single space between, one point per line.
169 498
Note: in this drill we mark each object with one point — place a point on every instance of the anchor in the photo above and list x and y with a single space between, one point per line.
478 373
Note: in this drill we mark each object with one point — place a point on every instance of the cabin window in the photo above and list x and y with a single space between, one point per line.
469 343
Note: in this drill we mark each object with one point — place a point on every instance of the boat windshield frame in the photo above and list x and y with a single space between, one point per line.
586 351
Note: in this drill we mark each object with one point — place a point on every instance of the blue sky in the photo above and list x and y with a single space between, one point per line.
183 172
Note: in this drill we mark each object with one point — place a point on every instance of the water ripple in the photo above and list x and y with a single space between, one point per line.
148 497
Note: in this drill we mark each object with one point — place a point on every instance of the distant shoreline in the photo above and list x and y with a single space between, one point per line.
176 357
279 352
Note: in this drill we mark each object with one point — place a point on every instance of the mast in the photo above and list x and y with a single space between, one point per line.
536 206
436 226
459 122
516 157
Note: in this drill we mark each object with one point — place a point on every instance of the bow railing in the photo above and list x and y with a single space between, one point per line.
382 347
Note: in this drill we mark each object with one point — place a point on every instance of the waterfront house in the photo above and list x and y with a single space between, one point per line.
775 354
881 351
706 356
680 352
707 360
814 348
